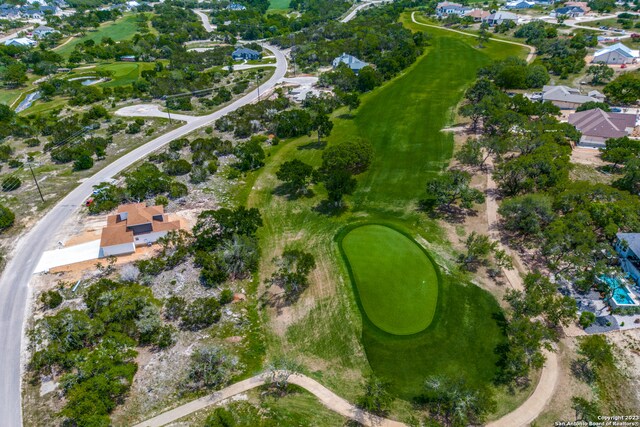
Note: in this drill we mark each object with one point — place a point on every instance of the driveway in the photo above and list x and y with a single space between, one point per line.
69 255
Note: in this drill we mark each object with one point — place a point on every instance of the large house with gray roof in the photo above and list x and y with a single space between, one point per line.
351 61
616 54
628 248
597 126
568 98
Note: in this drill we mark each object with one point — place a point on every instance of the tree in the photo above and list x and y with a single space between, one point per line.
293 123
592 105
296 174
483 35
527 215
323 125
482 251
630 181
201 313
176 167
620 150
15 74
7 217
376 398
353 157
585 410
214 227
250 155
452 187
240 255
351 100
625 89
602 5
210 368
146 181
83 162
293 270
600 73
339 183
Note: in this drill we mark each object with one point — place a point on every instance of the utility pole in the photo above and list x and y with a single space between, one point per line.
36 181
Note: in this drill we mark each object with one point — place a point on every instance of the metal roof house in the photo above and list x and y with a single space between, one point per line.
569 98
519 4
616 54
20 42
43 31
499 17
245 53
134 224
352 62
597 126
448 8
570 11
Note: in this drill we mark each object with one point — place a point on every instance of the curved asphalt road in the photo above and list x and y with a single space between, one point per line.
14 282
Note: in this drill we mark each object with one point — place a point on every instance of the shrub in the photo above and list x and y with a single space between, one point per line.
174 307
162 200
133 128
177 167
51 299
15 163
587 318
226 296
177 190
202 312
11 183
33 142
6 217
83 162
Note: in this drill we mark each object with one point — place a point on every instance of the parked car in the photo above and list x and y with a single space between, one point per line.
616 110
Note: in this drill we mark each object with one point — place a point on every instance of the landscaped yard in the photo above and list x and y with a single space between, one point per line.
122 29
397 283
403 120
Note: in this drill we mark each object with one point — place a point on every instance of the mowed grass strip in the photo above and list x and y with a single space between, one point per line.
396 282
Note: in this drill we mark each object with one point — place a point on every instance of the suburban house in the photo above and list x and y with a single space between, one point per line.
519 4
447 8
616 54
477 14
628 248
128 58
20 42
569 98
245 53
236 7
597 126
43 31
581 4
352 62
499 17
134 224
569 11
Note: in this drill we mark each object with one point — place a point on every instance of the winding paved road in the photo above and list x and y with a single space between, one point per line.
14 282
352 14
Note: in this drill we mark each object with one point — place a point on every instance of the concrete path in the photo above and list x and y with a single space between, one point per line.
205 20
152 110
532 50
324 395
27 251
69 255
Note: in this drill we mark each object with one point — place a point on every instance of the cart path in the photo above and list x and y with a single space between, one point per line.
324 395
532 50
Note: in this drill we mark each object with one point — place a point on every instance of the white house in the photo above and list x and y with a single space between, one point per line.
43 31
134 224
448 8
20 42
569 98
499 17
616 54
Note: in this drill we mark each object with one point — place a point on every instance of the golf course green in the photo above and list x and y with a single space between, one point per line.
396 281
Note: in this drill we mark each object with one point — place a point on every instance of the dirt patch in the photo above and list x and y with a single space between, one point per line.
587 156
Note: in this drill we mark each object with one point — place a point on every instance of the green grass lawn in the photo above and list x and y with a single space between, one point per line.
121 29
124 73
279 4
397 283
403 121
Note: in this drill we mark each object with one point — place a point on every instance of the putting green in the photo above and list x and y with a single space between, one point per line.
396 281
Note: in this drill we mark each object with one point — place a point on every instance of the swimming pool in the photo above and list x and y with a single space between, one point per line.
620 295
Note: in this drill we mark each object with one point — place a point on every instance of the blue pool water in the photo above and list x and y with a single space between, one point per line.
620 293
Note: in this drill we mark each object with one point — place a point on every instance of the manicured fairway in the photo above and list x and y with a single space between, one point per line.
124 73
279 4
122 29
397 283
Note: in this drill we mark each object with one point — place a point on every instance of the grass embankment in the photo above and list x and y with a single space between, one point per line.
403 120
396 282
121 29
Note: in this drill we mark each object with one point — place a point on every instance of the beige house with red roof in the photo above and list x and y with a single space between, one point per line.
134 224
